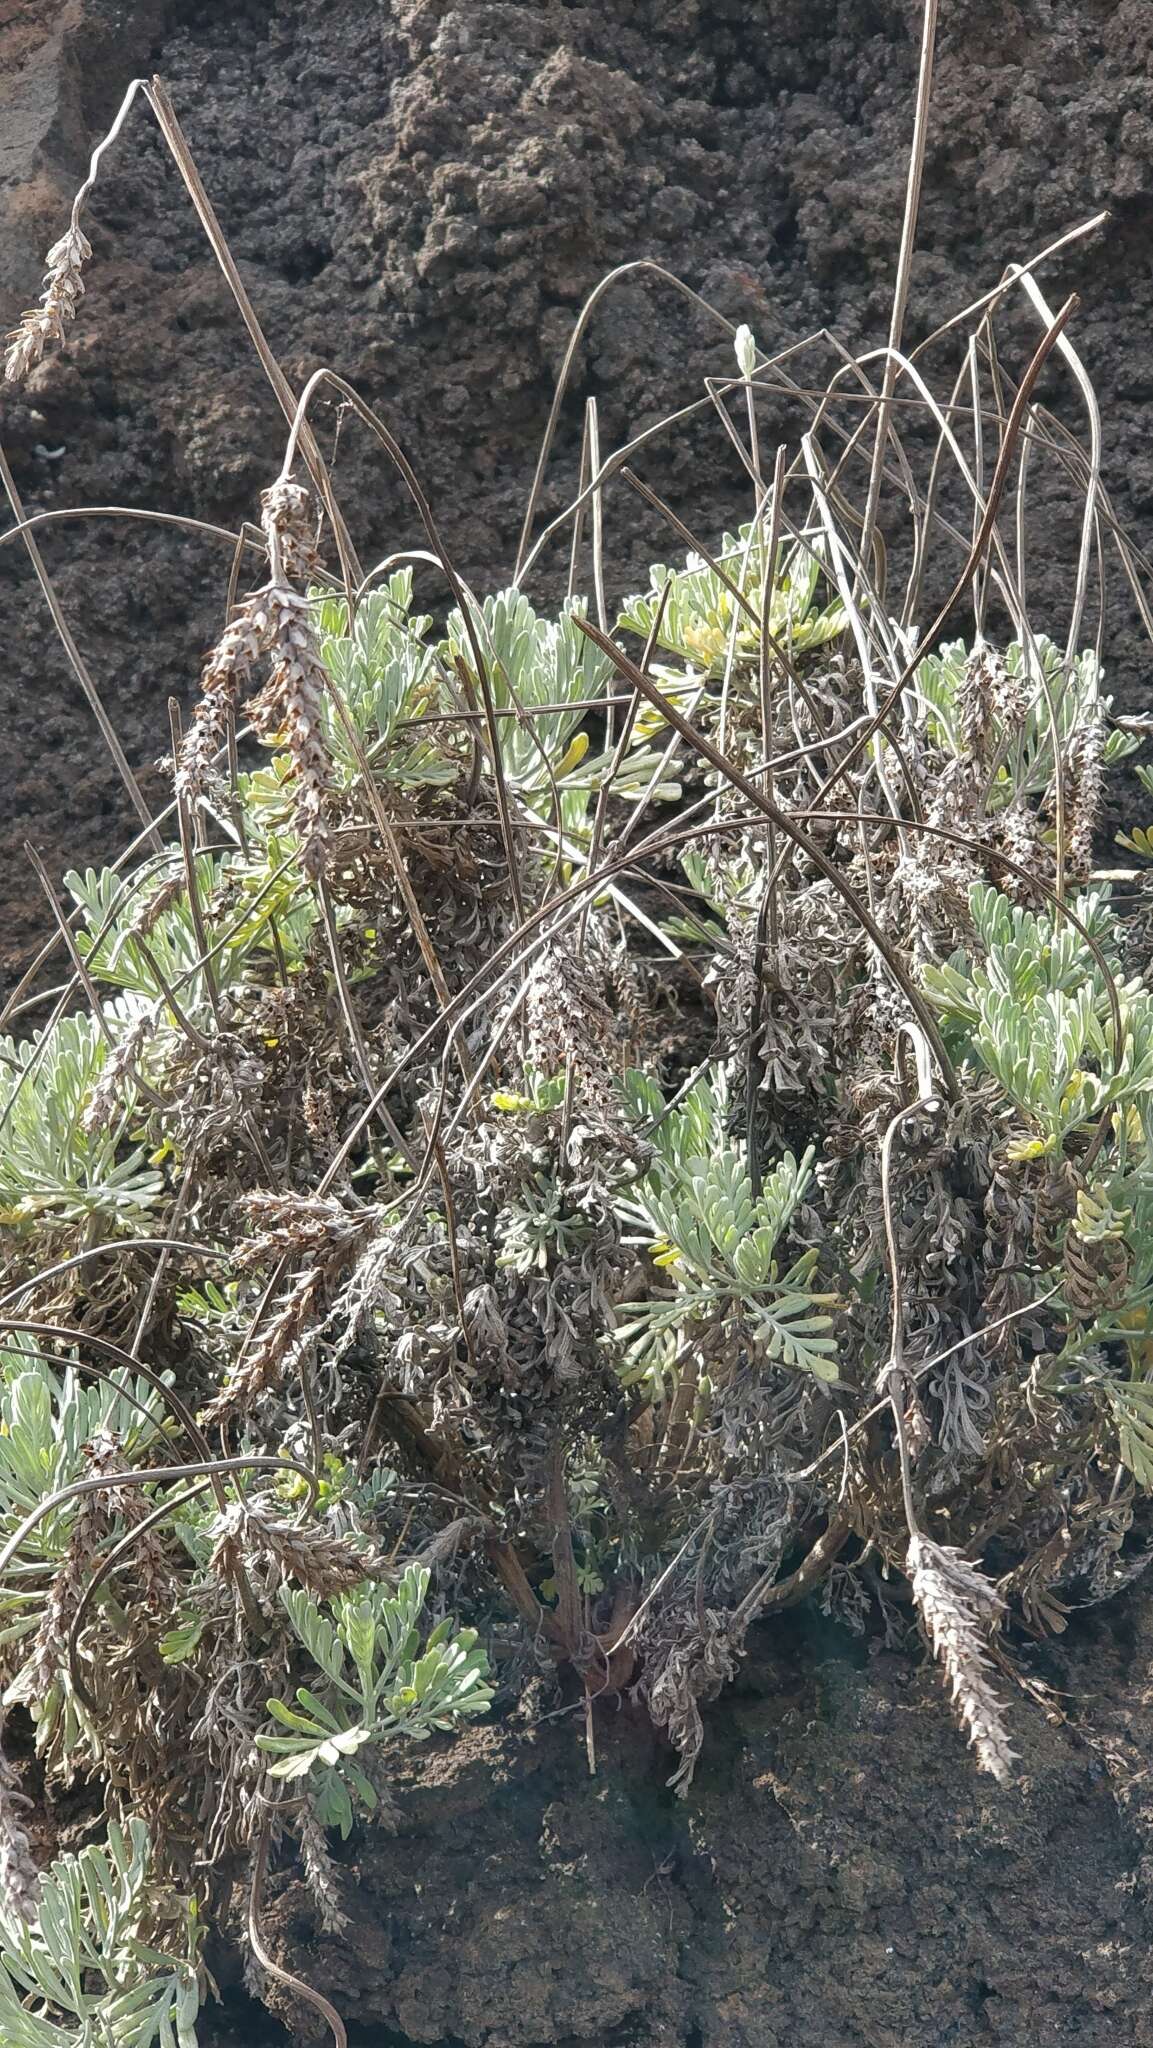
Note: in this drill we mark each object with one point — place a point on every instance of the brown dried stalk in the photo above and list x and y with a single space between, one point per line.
282 1342
256 1942
289 1225
312 1553
1087 762
63 282
321 1872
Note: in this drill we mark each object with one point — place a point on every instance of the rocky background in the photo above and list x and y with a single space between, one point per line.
421 195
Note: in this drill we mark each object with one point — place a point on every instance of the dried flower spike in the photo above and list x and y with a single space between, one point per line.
62 293
282 1341
1085 795
274 623
321 1872
289 707
19 1877
284 509
959 1607
225 677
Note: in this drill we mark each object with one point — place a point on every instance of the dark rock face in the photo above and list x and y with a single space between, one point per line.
421 195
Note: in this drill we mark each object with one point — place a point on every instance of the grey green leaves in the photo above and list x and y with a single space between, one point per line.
88 1969
716 1240
377 1677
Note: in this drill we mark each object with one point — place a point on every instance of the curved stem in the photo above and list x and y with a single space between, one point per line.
158 1475
312 1997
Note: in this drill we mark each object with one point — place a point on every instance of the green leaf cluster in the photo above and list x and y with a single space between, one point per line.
50 1164
701 616
717 1240
1062 698
384 669
377 1678
1034 1008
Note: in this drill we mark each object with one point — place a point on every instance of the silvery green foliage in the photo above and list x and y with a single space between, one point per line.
97 1967
701 614
146 944
47 1419
112 940
532 661
58 1157
50 1164
1037 1012
1132 1405
717 1240
51 1420
377 1678
1032 1006
383 670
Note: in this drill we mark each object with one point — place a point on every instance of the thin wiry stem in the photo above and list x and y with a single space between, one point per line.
104 1570
900 297
114 1249
256 1942
88 1339
607 284
158 99
76 660
156 1475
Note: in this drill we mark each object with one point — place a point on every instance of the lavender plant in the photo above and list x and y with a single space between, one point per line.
579 1137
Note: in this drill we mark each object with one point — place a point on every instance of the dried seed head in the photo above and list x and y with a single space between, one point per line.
1021 839
1086 792
320 1117
1012 692
290 707
285 1337
293 1225
117 1077
276 623
309 1552
976 694
321 1873
273 624
292 548
19 1877
959 1608
226 675
62 293
571 1026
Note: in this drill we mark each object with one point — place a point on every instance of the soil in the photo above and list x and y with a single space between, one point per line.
421 195
838 1878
